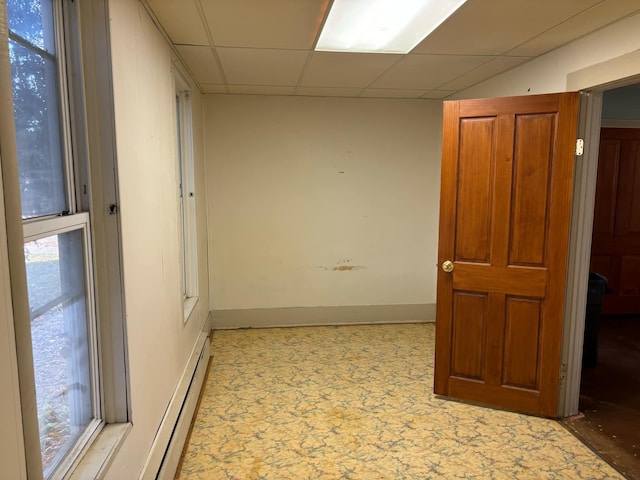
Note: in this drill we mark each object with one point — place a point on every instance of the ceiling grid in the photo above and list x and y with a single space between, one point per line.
266 47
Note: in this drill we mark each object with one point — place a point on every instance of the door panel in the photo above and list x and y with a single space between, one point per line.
606 186
521 343
534 134
507 170
469 324
628 214
615 250
474 188
629 278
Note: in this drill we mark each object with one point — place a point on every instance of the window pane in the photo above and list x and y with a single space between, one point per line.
44 270
38 137
33 21
60 342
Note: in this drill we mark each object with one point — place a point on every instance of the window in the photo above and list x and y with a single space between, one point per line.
62 335
63 377
186 193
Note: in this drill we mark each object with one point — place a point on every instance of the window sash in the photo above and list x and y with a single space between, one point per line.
41 226
58 55
37 230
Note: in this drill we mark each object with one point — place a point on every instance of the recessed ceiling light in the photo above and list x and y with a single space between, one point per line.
383 26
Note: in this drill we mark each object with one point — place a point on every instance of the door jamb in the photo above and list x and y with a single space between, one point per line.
585 176
581 227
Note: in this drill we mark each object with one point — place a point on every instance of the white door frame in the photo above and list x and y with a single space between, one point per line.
592 81
584 193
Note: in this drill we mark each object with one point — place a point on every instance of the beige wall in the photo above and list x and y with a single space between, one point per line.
159 341
615 47
321 201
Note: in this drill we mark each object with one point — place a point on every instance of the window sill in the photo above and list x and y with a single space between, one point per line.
99 456
189 306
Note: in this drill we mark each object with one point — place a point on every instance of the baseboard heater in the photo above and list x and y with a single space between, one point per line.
169 441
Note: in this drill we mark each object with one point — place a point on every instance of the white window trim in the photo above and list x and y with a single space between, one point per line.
187 214
97 102
96 461
99 120
97 110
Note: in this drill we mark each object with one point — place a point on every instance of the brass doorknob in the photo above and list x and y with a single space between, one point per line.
447 266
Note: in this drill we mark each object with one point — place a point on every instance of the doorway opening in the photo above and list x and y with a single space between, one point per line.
609 397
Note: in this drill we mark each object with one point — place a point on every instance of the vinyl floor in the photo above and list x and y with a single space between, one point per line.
356 402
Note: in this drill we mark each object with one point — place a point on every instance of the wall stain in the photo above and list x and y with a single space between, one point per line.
343 267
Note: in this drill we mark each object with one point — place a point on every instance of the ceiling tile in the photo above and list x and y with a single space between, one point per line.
213 88
483 72
426 72
391 93
181 20
202 63
435 94
261 90
588 21
493 27
251 66
328 92
265 46
290 24
339 69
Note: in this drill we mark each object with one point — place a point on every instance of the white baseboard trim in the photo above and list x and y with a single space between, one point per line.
166 449
309 316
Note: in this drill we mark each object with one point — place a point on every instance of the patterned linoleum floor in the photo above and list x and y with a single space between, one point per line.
355 403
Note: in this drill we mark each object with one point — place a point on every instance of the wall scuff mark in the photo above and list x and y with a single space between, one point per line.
343 267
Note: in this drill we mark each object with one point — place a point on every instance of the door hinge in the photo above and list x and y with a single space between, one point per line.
579 147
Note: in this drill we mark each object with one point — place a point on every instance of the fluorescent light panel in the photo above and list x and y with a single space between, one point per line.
382 26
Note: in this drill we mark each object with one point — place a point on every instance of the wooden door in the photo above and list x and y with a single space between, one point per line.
615 250
505 205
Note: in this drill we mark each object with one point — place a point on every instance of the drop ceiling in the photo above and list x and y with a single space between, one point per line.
266 46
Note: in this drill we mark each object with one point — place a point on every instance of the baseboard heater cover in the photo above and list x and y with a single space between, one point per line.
167 446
